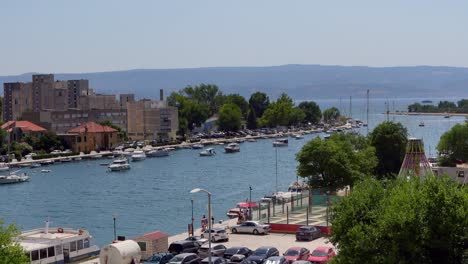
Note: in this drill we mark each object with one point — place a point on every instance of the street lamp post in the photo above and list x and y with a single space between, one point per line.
114 216
250 202
191 200
209 219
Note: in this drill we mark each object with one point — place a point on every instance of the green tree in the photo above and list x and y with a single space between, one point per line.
230 117
453 145
402 221
10 251
312 112
3 136
336 162
191 112
389 140
447 106
207 94
331 114
120 132
296 116
259 102
252 119
239 101
278 113
49 141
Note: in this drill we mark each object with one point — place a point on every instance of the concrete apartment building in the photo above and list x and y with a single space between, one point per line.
62 105
149 119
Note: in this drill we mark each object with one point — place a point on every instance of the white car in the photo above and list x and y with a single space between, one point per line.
251 227
217 234
56 152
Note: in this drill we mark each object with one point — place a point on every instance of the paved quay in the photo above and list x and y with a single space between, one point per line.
281 241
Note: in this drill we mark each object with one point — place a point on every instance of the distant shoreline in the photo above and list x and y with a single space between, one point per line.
428 114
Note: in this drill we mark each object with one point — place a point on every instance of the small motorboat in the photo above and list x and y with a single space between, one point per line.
197 146
66 160
13 178
208 152
298 136
280 142
4 167
232 148
421 124
158 153
95 155
35 165
119 164
45 171
46 162
138 155
77 158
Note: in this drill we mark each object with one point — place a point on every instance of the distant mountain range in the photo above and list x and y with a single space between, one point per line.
299 81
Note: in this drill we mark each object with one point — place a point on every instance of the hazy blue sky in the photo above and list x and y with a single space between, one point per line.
98 35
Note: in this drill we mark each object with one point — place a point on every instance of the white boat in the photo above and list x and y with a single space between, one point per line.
208 152
138 155
158 153
298 136
232 148
251 140
4 167
197 146
66 160
57 245
45 171
77 158
13 178
95 155
240 140
35 165
280 142
46 162
119 164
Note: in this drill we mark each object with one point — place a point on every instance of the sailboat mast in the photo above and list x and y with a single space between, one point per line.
276 151
367 112
350 108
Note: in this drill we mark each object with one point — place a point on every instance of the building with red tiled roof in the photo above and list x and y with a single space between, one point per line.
151 243
16 130
91 136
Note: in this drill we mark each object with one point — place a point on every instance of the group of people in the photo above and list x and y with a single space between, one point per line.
204 222
244 215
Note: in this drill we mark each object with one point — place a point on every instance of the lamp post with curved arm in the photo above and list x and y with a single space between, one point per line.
196 190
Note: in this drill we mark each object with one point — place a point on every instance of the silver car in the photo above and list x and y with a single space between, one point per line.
251 227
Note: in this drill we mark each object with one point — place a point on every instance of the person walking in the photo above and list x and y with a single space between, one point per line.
212 220
204 223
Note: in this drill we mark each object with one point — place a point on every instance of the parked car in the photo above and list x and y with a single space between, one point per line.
159 258
322 255
262 253
237 251
251 227
276 260
308 233
214 260
198 239
56 152
184 246
216 250
217 234
238 258
296 253
301 262
185 258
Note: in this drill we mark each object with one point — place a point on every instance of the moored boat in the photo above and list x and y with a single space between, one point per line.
13 178
57 245
280 142
208 152
232 148
158 153
119 164
4 167
197 146
138 155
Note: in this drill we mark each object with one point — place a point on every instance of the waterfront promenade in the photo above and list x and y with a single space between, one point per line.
427 114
